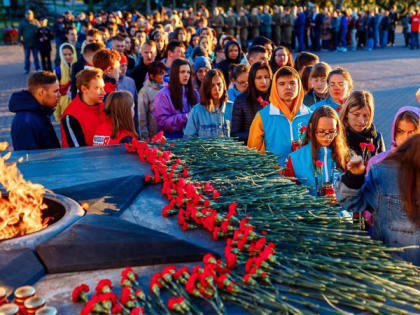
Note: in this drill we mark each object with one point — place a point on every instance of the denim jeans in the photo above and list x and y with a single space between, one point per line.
27 58
384 38
414 40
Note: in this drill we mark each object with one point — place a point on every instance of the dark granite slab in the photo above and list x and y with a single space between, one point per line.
108 197
99 242
62 168
19 267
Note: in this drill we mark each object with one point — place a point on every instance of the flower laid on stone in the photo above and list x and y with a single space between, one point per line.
282 245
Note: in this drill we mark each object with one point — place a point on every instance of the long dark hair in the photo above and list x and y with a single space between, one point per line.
175 87
253 93
407 156
340 151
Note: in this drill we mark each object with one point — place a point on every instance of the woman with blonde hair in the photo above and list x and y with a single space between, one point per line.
68 57
340 85
357 117
118 126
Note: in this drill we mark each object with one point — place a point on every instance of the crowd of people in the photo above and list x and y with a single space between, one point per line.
120 77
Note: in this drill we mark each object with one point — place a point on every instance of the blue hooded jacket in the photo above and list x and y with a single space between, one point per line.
31 126
304 168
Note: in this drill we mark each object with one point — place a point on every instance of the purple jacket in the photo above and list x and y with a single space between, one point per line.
381 156
169 119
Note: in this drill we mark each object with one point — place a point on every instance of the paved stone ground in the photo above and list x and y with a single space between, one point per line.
391 74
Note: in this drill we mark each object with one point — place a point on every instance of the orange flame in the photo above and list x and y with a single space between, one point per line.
21 212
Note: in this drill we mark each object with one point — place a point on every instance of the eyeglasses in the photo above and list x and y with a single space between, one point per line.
242 83
326 134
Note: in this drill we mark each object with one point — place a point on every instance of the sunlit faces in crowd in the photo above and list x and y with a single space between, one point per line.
217 89
340 84
93 92
184 74
148 52
262 80
287 88
358 111
201 72
280 57
68 54
406 126
257 54
233 52
326 130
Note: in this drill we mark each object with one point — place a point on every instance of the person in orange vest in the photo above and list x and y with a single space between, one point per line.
118 125
84 113
277 127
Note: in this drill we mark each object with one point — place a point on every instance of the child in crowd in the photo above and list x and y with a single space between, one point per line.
281 57
239 81
304 59
63 72
84 113
201 66
405 125
305 79
118 126
212 116
248 103
152 86
340 85
357 117
276 127
324 153
173 103
318 83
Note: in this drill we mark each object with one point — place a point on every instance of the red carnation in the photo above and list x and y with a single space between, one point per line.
216 233
174 303
371 147
319 163
111 296
183 271
303 129
216 194
117 309
129 274
190 285
79 293
147 178
231 260
159 138
363 145
208 187
126 295
209 259
262 102
260 243
104 286
137 311
231 210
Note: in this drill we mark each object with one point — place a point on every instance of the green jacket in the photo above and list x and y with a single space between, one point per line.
27 32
